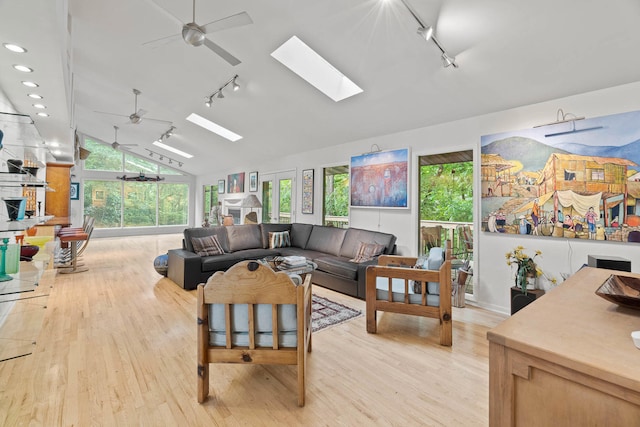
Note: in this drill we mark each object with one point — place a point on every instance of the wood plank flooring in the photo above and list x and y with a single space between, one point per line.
117 347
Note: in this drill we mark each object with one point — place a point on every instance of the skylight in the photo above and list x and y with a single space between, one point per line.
213 127
172 149
317 71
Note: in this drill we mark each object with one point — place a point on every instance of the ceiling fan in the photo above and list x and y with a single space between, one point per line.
135 117
195 35
115 144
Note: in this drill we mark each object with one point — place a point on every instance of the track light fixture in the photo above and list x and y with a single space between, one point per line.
167 134
162 157
218 93
426 32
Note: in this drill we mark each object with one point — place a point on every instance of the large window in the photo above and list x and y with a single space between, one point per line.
125 204
335 205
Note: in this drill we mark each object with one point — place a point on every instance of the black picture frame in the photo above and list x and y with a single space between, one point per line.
221 186
307 191
74 191
253 181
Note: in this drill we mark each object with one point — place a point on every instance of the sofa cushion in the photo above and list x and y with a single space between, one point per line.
326 239
279 239
246 236
207 245
432 262
367 252
355 236
300 234
270 228
219 231
338 266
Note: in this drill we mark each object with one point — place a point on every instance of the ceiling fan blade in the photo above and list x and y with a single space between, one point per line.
236 20
221 52
168 14
141 112
111 114
148 119
152 44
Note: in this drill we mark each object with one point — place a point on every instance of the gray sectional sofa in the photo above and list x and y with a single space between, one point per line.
329 247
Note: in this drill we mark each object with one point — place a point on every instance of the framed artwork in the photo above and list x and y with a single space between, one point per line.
572 179
307 191
253 181
74 192
380 179
221 186
235 183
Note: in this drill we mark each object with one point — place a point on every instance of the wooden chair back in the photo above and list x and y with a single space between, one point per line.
252 283
398 267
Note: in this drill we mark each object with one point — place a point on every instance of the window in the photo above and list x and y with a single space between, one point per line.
210 199
597 175
127 204
335 201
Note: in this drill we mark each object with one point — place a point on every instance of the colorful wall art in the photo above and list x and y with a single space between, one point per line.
235 183
577 178
379 179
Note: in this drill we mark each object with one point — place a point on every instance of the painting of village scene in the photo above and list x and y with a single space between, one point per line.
575 179
379 179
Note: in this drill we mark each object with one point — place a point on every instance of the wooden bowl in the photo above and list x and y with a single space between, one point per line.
621 290
28 251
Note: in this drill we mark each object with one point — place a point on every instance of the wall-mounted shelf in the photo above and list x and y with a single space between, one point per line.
23 224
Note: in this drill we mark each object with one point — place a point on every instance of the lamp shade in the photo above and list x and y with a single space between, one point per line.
251 201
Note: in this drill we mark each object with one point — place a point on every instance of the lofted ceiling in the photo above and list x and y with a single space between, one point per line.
510 53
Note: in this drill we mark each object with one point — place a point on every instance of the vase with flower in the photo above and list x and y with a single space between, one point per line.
526 269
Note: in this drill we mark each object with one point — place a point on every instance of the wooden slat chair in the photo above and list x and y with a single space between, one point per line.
253 315
390 288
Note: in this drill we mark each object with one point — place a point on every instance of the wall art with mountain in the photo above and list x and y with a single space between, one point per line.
576 178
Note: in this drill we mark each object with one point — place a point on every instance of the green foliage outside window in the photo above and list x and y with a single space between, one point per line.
103 157
336 201
103 201
139 204
285 195
446 192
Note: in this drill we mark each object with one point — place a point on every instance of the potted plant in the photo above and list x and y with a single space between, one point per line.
526 271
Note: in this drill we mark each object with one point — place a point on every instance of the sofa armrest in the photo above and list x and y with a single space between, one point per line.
362 276
184 268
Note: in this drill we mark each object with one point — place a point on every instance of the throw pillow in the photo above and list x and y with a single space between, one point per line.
207 245
367 252
279 239
421 263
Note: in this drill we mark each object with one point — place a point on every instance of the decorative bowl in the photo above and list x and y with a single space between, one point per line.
33 170
29 213
28 251
621 290
14 166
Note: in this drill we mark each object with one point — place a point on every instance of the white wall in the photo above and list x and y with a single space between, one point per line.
492 275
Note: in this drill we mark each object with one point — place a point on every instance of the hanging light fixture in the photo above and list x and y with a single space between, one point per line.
236 86
209 101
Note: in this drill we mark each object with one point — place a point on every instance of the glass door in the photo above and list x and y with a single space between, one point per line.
278 197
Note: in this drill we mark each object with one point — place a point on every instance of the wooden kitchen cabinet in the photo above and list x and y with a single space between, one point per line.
58 203
567 360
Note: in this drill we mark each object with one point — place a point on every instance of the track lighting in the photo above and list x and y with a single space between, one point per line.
162 157
426 32
218 93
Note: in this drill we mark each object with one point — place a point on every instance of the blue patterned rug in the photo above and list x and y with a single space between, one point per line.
327 313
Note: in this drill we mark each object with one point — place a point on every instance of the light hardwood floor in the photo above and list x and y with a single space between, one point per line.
118 347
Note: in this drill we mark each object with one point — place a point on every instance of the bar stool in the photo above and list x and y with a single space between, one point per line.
73 239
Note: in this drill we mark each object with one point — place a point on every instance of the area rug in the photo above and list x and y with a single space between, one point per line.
327 313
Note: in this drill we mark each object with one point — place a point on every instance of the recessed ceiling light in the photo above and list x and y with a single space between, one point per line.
23 68
42 114
14 48
39 106
213 127
172 149
34 96
30 84
317 71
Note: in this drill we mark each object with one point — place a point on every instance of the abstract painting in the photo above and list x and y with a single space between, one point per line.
380 179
